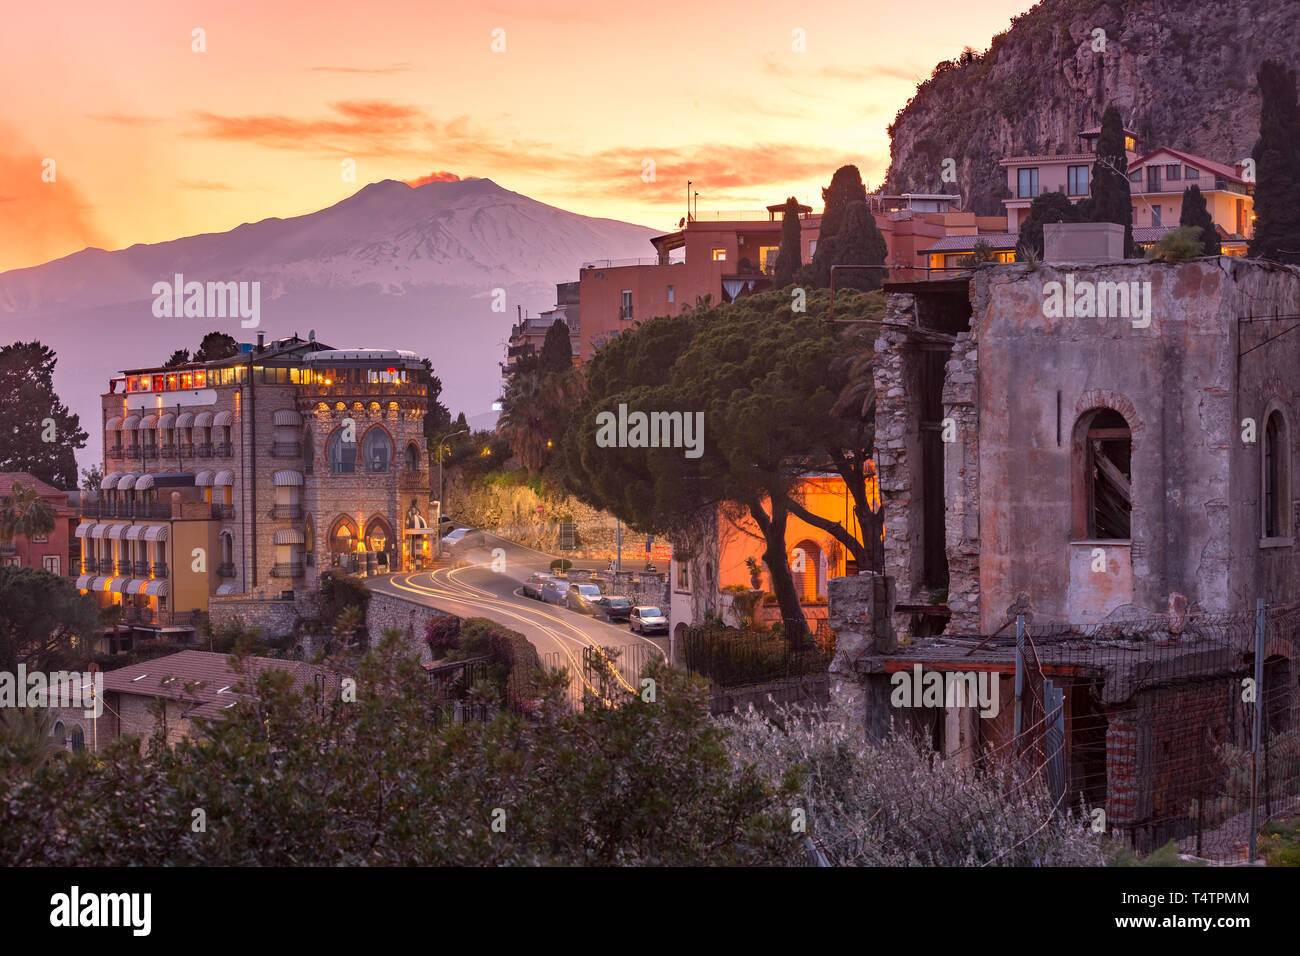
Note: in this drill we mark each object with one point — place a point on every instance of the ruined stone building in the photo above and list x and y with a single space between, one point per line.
1109 448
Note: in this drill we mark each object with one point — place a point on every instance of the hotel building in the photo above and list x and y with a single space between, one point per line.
252 475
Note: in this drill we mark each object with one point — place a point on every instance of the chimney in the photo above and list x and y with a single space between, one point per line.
261 341
1089 242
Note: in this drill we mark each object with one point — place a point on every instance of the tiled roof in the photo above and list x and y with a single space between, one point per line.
59 498
997 241
1227 172
215 684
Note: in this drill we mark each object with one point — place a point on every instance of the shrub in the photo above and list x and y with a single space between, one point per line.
732 656
443 635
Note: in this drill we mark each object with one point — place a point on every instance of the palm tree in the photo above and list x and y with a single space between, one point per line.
28 734
23 513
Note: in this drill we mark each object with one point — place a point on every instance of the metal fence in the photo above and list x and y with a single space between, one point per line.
602 676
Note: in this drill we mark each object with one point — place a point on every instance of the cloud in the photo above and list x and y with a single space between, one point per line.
781 67
395 68
358 126
126 119
40 221
440 176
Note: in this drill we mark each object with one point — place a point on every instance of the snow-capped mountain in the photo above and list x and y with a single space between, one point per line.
392 265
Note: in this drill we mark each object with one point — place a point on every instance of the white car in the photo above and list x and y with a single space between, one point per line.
462 539
648 620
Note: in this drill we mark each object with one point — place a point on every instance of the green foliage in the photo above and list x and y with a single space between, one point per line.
1177 245
1277 166
846 188
91 479
177 358
216 345
1280 845
442 635
789 258
42 617
28 406
1109 187
1197 216
286 780
344 599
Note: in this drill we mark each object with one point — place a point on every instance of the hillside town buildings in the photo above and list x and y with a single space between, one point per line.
55 552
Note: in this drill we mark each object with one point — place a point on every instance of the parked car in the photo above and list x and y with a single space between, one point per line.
554 589
613 608
533 586
582 597
648 620
462 539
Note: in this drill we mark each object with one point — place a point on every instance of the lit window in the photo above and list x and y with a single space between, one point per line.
719 255
1130 143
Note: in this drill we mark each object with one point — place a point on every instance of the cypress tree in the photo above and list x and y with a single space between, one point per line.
557 351
788 258
1196 215
1109 192
1277 167
859 242
846 187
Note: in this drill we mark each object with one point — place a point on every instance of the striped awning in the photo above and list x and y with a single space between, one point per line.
100 530
223 418
84 530
148 422
117 532
185 420
289 536
110 481
167 421
127 481
97 584
224 477
83 582
203 420
287 416
144 482
113 424
288 478
157 587
226 589
120 585
203 479
155 532
130 422
136 532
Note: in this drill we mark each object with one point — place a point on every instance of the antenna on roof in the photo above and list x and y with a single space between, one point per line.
311 335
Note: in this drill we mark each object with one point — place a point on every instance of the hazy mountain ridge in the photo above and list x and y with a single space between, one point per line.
1181 73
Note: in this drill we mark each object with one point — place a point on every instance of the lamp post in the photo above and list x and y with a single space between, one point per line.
441 468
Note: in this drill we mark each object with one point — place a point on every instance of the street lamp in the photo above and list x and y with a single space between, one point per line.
441 468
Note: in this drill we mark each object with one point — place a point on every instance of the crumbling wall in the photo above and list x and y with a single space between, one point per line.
961 485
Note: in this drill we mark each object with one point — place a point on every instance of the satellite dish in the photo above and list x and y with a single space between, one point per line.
311 335
681 222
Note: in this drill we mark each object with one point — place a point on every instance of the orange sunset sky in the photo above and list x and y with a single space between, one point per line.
152 141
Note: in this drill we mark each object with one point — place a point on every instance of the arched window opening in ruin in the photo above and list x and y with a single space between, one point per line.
1108 456
1276 492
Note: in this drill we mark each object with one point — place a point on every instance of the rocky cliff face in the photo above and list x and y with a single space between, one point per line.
1182 74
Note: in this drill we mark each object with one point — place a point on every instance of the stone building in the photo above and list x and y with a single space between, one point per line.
1027 434
1105 447
250 476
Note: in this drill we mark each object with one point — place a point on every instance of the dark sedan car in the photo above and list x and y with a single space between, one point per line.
613 608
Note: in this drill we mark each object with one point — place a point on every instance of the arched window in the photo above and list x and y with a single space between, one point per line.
308 452
227 548
342 454
377 449
1105 442
1276 490
309 536
379 536
78 739
412 457
343 537
60 735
